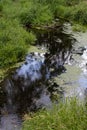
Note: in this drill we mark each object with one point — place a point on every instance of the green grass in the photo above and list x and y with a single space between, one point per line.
72 10
15 38
14 42
37 15
79 28
69 115
17 16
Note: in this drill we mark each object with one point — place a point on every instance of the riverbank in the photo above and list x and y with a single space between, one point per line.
73 11
5 71
17 17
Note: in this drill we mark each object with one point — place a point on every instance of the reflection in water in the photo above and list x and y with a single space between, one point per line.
25 90
27 85
10 122
59 46
56 41
83 81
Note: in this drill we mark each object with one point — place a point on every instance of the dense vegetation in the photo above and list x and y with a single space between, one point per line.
69 115
16 16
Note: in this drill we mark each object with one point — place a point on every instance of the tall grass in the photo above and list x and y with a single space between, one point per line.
69 115
37 15
14 42
72 2
72 10
80 13
14 38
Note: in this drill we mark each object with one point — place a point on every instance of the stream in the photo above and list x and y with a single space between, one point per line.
58 69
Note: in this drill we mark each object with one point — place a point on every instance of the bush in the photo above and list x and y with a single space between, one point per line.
69 115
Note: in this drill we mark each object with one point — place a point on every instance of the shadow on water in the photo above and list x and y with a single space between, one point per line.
30 87
59 46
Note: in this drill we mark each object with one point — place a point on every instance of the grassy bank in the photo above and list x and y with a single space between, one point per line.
69 115
14 38
16 17
74 11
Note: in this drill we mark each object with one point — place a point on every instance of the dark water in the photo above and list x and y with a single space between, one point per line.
31 87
